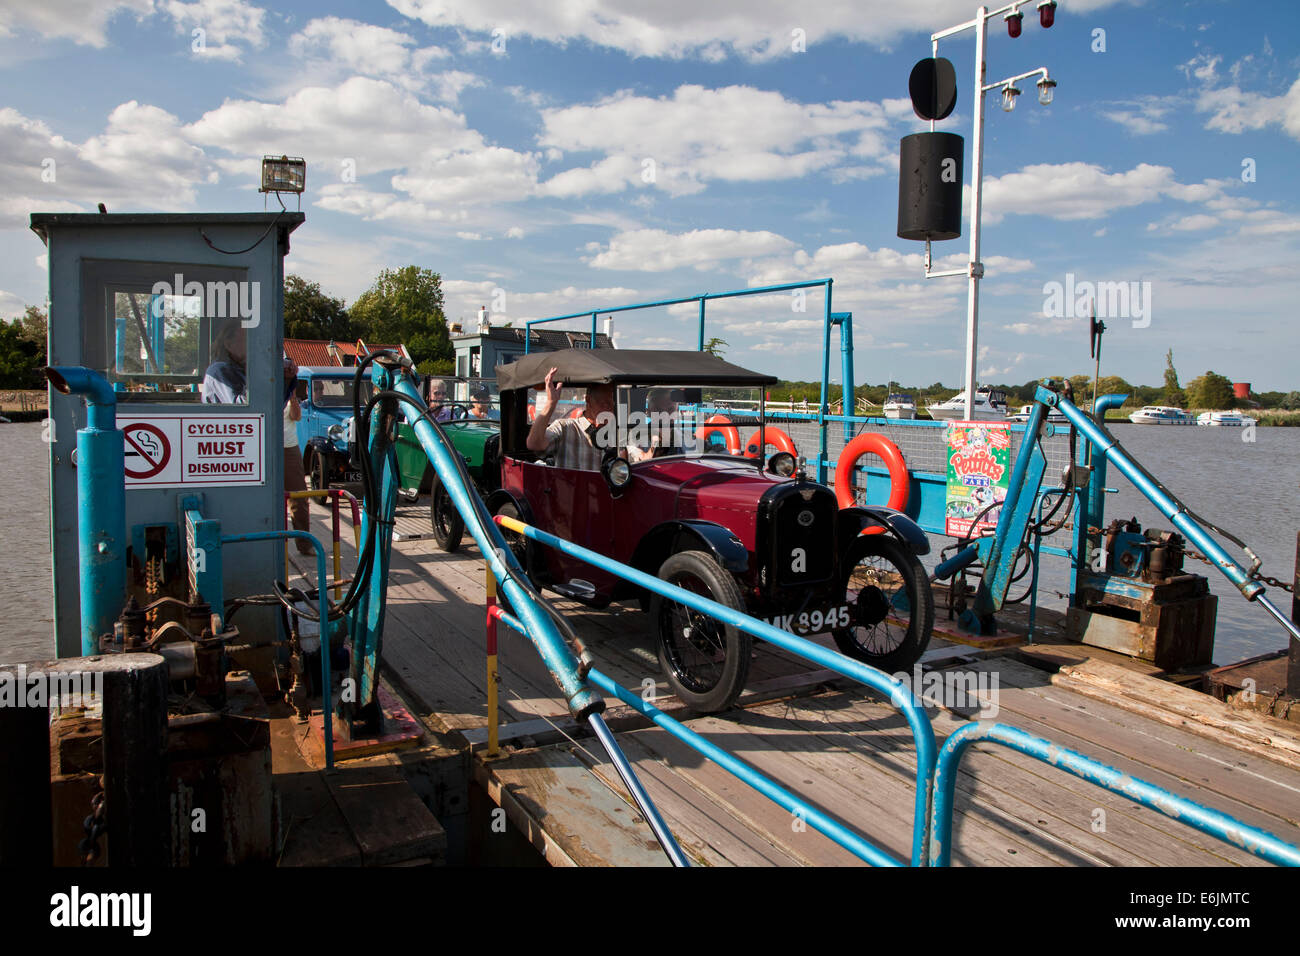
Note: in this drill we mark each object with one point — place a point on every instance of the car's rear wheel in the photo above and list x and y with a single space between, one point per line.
890 602
705 660
448 525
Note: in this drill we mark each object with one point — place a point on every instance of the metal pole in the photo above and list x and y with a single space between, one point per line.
493 711
1293 659
648 810
976 184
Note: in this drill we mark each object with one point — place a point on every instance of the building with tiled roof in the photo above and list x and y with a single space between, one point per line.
344 354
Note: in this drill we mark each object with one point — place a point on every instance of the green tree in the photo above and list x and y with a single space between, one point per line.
405 306
20 359
33 326
1113 385
715 346
311 314
1173 393
1291 402
1211 390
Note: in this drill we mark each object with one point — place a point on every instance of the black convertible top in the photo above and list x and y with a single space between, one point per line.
626 367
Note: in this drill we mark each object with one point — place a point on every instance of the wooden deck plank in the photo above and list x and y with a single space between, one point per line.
879 799
1262 791
1062 807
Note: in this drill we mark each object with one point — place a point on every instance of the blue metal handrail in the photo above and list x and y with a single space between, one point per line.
1213 822
900 696
769 788
660 303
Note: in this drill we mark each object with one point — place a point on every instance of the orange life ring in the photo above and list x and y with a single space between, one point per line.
575 412
898 477
721 423
771 436
532 412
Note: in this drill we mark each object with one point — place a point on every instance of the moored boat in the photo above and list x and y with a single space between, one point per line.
990 405
1054 415
1161 415
900 406
1227 419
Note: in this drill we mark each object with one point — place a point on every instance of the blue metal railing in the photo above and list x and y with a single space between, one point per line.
1219 825
899 695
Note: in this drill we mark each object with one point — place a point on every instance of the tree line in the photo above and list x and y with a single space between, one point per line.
1208 391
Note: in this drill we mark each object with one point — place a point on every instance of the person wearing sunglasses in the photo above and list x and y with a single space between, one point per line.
435 397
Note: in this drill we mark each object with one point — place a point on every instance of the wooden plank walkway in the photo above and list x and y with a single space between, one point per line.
835 744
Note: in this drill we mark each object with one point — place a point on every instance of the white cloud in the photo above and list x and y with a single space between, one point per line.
82 21
463 298
697 135
11 306
654 250
1145 115
755 29
141 159
1084 190
368 120
334 48
227 26
1235 110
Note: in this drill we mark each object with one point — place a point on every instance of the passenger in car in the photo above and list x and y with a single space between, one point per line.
570 442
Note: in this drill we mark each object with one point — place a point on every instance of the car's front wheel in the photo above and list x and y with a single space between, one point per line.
705 660
318 473
889 599
448 525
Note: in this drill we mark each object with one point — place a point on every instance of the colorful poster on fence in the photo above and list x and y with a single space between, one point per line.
979 467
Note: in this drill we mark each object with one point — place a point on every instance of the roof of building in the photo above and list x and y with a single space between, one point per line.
626 367
328 352
550 339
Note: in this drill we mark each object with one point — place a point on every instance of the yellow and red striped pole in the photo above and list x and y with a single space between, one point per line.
493 717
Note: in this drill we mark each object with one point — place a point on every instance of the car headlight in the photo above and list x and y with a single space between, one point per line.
617 473
335 432
782 463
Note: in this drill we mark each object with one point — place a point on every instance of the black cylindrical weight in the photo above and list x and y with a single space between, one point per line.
929 186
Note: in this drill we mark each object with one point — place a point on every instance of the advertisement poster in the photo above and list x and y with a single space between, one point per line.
979 469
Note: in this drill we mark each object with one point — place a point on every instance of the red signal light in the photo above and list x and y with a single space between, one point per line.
1047 13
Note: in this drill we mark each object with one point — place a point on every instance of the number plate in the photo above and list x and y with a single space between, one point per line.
352 477
813 622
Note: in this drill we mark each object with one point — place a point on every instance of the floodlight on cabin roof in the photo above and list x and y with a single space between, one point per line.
283 174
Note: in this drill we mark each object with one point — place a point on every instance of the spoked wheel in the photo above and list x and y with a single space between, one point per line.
318 477
889 599
706 661
448 525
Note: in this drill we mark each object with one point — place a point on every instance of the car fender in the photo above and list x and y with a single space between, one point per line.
853 521
690 534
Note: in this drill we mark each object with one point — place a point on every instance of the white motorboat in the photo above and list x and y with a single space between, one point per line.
1161 415
1054 415
900 406
990 405
1227 419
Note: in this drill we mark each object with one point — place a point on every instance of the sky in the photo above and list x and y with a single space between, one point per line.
576 155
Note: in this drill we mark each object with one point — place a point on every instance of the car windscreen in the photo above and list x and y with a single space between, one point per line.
337 392
660 421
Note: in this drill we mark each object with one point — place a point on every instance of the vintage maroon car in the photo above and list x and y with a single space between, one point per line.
751 533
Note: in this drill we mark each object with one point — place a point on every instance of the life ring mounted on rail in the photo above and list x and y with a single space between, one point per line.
872 444
722 425
771 436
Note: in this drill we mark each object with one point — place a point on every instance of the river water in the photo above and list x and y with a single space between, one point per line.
1251 489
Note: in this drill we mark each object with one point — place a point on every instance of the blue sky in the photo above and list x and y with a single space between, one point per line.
508 147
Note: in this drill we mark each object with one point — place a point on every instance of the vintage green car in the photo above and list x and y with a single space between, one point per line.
478 440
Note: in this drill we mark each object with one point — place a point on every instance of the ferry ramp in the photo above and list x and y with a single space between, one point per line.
838 745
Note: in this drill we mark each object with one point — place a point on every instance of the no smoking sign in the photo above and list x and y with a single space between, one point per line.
148 450
173 451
